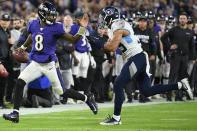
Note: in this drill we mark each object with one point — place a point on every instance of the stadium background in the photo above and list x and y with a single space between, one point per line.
22 8
174 116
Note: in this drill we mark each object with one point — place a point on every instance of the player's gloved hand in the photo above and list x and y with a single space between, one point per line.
96 41
19 50
92 62
84 21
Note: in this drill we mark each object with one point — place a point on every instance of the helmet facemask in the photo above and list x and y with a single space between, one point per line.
47 14
108 15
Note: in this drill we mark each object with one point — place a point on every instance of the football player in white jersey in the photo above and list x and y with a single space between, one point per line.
137 65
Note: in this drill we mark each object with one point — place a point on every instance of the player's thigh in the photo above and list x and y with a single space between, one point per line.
54 77
75 68
31 72
85 62
124 77
67 78
118 64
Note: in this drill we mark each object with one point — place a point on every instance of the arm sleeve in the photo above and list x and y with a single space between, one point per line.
95 40
73 29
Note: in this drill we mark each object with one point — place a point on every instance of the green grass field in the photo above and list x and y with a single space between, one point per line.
172 116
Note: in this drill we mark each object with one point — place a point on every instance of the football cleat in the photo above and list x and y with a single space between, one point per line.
14 117
111 121
92 104
186 87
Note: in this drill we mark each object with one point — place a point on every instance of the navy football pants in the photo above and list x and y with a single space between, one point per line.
137 68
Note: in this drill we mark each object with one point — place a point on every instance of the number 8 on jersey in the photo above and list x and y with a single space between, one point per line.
39 42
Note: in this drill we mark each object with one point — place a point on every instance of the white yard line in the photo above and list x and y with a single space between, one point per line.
68 107
87 129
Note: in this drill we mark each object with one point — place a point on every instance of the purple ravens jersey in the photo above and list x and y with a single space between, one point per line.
157 28
82 46
44 40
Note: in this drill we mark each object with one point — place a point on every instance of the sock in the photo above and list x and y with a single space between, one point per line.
70 93
179 85
116 117
18 94
16 111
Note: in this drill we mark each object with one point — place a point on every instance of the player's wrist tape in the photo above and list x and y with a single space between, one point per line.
23 47
81 31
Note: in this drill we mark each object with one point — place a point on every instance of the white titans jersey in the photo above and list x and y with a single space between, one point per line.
129 45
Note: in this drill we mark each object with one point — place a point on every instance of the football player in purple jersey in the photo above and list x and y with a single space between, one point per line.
44 33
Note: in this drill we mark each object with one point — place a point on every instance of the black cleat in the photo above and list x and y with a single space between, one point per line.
111 121
92 104
14 117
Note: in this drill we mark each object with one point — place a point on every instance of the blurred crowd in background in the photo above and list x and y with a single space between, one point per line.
23 8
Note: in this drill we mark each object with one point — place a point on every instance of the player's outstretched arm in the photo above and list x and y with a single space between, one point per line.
114 43
74 39
83 24
26 44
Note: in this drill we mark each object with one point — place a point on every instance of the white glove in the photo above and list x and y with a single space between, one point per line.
93 62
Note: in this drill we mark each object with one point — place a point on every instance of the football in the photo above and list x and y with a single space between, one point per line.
4 73
21 56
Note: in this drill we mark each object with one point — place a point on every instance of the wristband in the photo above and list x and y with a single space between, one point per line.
81 30
23 47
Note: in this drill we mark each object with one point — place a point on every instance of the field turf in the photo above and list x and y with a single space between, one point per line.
160 117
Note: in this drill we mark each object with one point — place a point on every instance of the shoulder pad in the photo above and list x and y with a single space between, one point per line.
118 24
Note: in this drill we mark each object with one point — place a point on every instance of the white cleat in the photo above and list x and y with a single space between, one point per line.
111 121
186 87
